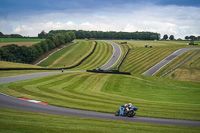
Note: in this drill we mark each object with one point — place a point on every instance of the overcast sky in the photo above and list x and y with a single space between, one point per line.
172 17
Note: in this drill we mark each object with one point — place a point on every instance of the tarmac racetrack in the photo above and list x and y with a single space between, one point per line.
14 103
115 57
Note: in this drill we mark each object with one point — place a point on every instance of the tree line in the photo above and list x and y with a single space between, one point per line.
10 36
23 54
165 37
81 34
194 38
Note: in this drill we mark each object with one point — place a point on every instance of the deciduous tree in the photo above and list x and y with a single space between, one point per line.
171 37
165 37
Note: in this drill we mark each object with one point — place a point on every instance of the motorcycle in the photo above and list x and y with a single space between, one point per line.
123 112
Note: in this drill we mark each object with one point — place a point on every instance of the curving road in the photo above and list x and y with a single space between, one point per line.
28 76
164 62
14 103
115 57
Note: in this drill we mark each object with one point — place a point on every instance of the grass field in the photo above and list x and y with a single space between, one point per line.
140 59
100 56
7 40
5 64
155 97
21 121
190 69
70 55
177 61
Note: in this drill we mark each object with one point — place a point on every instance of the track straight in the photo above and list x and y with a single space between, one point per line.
115 57
28 76
164 62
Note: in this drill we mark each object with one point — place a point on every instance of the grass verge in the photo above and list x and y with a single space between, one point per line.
190 71
155 97
20 72
5 64
6 40
100 56
140 59
22 121
70 55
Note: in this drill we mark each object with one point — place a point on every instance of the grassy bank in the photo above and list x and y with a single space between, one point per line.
5 64
155 97
100 56
190 71
140 59
177 61
70 55
21 121
21 72
7 40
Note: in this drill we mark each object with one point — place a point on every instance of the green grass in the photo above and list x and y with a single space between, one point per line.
70 55
5 64
177 61
22 121
140 59
190 71
100 56
155 97
7 40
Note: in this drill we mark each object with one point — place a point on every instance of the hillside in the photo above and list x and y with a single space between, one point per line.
5 64
69 55
106 92
190 71
141 59
11 40
154 96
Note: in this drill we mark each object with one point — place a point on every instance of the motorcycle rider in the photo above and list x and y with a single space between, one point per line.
125 107
128 106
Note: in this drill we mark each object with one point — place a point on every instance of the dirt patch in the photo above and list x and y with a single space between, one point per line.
28 44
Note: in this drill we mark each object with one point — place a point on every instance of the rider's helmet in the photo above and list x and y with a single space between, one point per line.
130 104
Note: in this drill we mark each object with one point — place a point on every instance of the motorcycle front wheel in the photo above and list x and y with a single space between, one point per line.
117 113
131 113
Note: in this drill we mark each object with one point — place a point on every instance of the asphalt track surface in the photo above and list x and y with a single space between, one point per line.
164 62
115 57
15 103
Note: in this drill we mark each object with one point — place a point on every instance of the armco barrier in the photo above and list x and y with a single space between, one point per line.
109 72
54 68
123 59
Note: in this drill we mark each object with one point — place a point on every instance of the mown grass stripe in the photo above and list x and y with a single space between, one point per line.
99 57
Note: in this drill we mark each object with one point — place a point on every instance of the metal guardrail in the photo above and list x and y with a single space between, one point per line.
123 59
